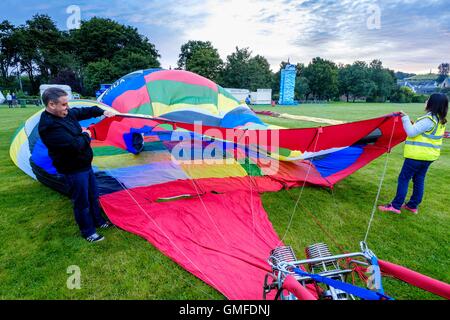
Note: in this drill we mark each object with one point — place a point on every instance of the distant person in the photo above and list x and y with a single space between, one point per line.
422 147
14 100
248 100
273 103
69 148
9 100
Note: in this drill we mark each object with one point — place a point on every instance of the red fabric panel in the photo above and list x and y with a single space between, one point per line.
294 173
131 99
222 185
307 139
392 134
224 239
416 279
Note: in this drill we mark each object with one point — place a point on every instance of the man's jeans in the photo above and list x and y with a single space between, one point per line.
415 170
84 195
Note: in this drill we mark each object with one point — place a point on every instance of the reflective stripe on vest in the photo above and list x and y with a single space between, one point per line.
426 146
423 144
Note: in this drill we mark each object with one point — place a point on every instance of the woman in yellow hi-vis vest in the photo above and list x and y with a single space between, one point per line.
422 147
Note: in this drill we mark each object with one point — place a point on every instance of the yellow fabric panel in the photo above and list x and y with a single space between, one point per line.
161 108
17 143
130 160
226 104
205 170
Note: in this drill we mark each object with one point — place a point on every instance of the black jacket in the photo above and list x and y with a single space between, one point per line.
67 145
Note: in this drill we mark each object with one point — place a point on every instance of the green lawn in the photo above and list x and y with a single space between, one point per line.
39 239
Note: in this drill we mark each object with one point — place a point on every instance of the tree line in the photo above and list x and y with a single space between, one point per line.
100 51
103 50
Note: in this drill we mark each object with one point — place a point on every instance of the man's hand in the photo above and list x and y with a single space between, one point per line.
88 132
109 113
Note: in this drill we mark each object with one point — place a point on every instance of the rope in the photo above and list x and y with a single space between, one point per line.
162 231
374 208
324 230
319 131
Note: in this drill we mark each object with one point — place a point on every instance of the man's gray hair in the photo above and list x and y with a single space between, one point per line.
52 94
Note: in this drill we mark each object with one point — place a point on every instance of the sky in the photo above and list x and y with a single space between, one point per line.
407 35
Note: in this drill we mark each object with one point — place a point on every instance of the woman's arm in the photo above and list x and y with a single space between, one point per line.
421 126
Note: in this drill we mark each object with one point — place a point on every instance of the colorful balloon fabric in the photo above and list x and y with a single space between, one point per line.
193 191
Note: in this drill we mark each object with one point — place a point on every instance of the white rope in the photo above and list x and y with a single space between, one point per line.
162 231
380 185
301 190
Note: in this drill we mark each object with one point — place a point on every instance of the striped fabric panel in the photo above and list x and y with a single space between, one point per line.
20 153
108 151
185 77
148 174
133 99
145 109
172 92
160 109
226 104
131 160
227 94
204 170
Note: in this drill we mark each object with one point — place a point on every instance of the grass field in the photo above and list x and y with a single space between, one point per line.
39 239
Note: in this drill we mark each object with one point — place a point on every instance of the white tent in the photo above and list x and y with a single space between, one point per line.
67 89
2 98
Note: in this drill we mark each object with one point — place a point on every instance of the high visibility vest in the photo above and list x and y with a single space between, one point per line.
426 146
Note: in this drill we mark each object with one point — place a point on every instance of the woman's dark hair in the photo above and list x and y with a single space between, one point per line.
437 104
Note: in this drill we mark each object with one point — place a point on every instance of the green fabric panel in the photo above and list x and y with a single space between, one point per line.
145 108
284 152
108 151
170 92
154 146
227 94
251 168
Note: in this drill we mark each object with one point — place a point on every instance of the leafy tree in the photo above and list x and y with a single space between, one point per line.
126 61
7 49
49 49
322 78
100 38
259 73
26 52
402 95
202 58
345 80
244 71
362 85
302 89
102 71
384 81
235 74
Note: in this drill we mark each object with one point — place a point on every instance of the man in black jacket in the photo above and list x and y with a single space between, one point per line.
69 147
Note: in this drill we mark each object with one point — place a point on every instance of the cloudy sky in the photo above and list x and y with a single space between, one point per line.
407 35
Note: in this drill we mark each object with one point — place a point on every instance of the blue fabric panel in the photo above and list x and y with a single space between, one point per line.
41 158
191 116
239 117
337 161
